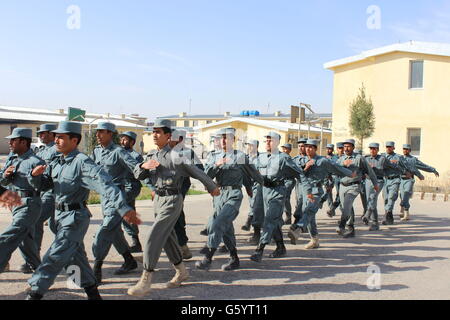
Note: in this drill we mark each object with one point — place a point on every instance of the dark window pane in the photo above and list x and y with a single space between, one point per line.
414 136
416 80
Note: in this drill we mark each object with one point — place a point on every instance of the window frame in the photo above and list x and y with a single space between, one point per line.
408 139
411 62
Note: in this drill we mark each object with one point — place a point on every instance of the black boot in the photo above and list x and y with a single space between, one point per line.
257 256
388 218
254 239
204 232
280 251
233 263
341 228
223 249
26 268
349 233
205 264
204 250
92 293
136 246
98 271
129 265
248 224
33 295
366 216
331 213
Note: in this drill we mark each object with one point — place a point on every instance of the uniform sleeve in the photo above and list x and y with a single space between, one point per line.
291 169
368 169
143 174
127 160
44 182
5 181
95 178
210 168
251 173
424 167
337 169
194 172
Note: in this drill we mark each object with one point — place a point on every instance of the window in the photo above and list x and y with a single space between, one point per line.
195 123
186 123
414 137
208 121
416 75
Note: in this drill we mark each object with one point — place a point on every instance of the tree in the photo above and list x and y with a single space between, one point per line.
91 141
362 118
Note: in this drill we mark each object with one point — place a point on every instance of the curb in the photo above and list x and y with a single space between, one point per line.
432 196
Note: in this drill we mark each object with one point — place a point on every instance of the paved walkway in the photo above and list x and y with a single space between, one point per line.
413 260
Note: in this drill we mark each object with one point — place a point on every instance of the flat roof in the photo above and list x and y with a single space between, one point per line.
431 48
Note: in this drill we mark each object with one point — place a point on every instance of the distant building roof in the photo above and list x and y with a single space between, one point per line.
43 115
431 48
277 125
220 116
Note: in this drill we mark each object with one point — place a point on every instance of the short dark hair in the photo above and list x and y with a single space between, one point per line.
75 135
28 140
166 130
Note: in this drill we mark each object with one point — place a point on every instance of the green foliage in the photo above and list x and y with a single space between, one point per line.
91 142
362 118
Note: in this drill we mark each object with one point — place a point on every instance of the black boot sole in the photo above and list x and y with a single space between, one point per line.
127 269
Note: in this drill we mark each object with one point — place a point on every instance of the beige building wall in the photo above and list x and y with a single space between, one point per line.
397 108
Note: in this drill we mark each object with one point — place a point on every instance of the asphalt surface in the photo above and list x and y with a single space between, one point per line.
412 258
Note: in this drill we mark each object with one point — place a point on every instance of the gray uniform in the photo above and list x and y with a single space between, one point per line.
379 165
21 233
313 184
116 162
413 166
256 201
392 180
300 161
230 178
275 168
350 188
167 180
132 190
71 178
46 153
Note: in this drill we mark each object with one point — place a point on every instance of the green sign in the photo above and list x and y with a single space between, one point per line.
75 114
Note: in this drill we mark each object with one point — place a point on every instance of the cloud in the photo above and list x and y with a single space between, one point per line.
434 28
173 56
154 68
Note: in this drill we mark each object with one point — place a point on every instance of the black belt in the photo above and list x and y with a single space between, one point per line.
406 178
167 192
350 184
231 187
70 207
272 184
28 194
392 178
380 178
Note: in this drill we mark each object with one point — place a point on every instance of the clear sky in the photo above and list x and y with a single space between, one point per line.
153 57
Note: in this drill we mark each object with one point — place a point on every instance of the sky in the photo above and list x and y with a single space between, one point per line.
159 58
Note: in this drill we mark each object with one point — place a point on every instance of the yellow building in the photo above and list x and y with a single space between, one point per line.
248 129
409 87
13 117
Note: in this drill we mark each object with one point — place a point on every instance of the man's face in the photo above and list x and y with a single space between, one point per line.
160 138
252 149
104 137
374 152
64 144
330 151
311 151
17 145
390 150
340 151
286 150
46 137
127 142
406 152
271 144
227 142
217 143
302 148
348 148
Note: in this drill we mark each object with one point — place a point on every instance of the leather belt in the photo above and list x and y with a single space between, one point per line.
231 187
28 194
70 207
272 184
392 178
167 192
380 178
406 178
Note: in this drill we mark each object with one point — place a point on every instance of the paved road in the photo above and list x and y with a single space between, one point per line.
413 259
